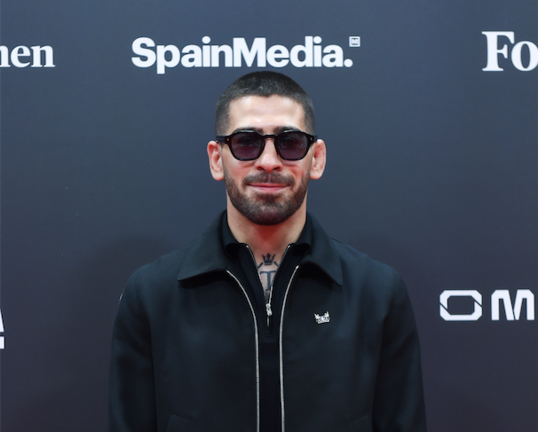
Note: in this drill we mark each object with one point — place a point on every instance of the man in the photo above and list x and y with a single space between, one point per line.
264 323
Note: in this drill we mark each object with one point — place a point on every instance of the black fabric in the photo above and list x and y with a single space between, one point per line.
243 265
185 343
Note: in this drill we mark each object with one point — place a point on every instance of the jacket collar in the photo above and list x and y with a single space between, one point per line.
323 252
207 254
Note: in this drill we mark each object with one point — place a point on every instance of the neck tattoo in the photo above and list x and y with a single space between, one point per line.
267 270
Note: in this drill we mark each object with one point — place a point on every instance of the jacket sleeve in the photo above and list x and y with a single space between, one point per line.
131 382
399 399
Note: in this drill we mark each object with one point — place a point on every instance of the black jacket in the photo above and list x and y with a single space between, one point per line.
185 346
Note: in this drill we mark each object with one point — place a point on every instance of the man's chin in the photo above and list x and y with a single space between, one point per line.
268 218
267 211
267 198
261 208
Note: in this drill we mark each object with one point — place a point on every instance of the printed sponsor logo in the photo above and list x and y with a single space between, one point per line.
501 300
2 344
523 55
22 56
239 53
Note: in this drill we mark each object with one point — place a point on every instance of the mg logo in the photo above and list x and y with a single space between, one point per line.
512 310
473 295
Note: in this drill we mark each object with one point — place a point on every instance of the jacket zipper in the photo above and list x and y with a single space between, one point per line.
282 410
269 314
257 351
268 309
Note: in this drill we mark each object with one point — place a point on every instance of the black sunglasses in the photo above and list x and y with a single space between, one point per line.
248 145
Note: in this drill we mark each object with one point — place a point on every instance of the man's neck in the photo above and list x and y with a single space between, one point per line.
268 243
266 239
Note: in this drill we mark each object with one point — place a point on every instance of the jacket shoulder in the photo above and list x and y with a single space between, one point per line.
201 255
359 269
165 266
349 256
152 279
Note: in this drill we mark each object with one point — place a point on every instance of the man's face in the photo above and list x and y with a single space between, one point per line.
267 190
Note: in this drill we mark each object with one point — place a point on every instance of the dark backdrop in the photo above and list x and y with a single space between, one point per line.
432 168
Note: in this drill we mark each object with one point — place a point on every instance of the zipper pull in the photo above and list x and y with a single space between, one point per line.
269 311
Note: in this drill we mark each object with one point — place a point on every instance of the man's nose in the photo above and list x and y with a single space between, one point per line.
269 160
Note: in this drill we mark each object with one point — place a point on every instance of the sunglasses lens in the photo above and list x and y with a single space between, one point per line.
246 145
292 145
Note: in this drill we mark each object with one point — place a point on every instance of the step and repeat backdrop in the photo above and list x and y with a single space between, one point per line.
429 111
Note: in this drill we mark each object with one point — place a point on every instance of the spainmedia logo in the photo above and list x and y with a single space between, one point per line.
310 54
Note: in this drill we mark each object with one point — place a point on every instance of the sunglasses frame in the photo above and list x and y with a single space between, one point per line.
227 139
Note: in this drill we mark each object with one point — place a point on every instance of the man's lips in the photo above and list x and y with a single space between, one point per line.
268 187
268 183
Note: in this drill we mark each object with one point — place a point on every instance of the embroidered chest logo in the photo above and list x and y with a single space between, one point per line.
322 319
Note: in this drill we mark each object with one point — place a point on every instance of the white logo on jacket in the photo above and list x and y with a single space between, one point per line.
322 319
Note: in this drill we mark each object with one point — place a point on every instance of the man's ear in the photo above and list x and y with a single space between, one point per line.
319 159
215 160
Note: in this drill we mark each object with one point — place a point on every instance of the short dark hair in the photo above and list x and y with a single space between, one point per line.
263 83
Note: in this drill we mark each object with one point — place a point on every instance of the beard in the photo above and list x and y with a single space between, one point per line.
267 209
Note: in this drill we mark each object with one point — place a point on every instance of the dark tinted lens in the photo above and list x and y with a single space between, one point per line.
292 145
246 145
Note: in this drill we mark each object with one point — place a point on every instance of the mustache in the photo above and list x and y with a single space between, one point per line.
265 177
